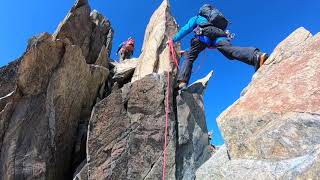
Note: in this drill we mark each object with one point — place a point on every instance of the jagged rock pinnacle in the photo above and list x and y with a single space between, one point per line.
161 27
200 85
80 3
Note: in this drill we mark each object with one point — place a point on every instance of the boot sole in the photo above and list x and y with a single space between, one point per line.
264 57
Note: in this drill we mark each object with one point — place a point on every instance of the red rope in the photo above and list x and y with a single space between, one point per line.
173 53
175 61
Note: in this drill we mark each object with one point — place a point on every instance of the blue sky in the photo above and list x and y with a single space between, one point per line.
256 23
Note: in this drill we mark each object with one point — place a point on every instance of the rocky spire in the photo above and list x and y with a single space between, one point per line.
155 52
90 31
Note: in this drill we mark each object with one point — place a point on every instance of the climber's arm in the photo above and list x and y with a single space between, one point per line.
119 47
186 29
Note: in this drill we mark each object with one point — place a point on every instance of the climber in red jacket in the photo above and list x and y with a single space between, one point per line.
126 49
210 28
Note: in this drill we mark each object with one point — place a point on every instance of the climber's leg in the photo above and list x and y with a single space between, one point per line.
122 55
196 47
243 54
249 55
127 55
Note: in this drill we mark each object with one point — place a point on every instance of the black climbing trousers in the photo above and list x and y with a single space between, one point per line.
243 54
124 54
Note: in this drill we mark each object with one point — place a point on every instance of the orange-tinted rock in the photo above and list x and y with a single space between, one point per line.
272 131
257 125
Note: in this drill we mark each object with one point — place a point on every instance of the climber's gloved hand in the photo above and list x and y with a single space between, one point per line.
230 35
182 52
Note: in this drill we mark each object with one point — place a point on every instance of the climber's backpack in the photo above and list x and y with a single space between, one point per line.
214 16
129 45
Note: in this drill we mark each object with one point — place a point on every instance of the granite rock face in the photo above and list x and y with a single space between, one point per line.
126 130
126 133
8 76
88 30
123 72
62 117
82 171
220 166
55 92
67 112
288 84
8 81
193 141
272 131
55 88
155 52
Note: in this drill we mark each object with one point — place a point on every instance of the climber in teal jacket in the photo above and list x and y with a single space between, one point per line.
210 31
189 27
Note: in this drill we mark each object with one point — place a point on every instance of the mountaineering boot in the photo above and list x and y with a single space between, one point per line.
261 58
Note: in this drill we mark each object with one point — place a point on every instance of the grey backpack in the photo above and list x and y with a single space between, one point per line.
214 16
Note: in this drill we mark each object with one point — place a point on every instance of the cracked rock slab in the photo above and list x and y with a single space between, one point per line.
219 166
193 141
289 83
272 131
124 70
126 133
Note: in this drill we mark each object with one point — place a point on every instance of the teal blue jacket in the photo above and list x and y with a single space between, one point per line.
189 27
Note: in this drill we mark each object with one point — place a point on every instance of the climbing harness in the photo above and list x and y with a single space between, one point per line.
207 41
230 35
172 56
